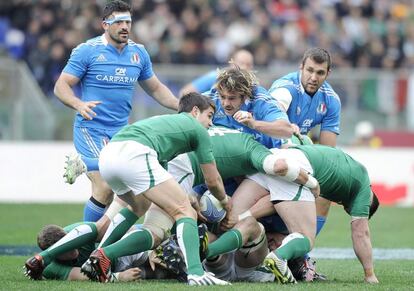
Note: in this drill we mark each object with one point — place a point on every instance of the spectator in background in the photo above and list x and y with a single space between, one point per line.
208 31
364 135
106 66
241 58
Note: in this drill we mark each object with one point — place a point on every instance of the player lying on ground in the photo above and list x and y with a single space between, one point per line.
66 266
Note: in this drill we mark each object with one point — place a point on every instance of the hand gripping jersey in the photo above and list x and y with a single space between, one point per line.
262 106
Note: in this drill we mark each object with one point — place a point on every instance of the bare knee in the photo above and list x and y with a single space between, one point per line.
100 189
183 210
249 228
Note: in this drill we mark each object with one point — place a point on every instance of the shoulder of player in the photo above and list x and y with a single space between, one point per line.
260 95
328 92
136 46
291 79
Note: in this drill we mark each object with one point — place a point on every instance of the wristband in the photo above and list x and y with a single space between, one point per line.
245 214
311 183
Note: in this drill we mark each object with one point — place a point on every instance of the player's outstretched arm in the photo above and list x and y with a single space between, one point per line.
279 128
362 246
160 92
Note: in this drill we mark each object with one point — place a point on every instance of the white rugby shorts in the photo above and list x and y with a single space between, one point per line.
131 166
280 189
181 170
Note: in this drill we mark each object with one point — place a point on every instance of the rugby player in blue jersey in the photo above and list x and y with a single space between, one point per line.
241 58
108 67
244 105
308 99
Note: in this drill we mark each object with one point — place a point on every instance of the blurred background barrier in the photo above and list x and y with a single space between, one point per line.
25 113
32 172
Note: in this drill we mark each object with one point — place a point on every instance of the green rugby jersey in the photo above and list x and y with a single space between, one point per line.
341 178
236 154
170 135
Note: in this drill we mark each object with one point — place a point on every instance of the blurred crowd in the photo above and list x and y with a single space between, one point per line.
358 33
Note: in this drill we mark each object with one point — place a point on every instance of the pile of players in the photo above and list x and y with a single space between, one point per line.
280 195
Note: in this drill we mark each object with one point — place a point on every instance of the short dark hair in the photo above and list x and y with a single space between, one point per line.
188 101
318 55
374 205
49 235
115 6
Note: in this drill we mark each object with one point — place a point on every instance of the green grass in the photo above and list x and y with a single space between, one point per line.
343 275
390 228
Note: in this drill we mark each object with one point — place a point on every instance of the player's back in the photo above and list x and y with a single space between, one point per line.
169 135
235 153
339 175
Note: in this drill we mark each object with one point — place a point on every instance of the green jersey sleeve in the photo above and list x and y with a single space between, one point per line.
204 148
57 271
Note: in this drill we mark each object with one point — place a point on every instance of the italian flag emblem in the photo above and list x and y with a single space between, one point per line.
135 58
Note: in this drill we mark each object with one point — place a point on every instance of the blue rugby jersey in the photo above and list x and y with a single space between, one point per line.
323 108
109 76
205 82
262 106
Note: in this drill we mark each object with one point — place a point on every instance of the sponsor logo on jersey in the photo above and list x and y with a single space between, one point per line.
321 108
307 122
120 71
101 58
135 58
119 77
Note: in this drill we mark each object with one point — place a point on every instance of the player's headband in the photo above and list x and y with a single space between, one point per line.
119 17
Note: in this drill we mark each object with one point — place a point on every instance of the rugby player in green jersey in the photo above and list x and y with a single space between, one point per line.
336 173
132 164
66 266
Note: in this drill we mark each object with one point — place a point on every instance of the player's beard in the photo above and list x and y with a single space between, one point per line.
118 37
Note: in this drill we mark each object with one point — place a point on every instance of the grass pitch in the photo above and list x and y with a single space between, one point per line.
390 228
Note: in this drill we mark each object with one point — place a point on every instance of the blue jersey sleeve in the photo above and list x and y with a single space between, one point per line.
78 62
205 82
265 107
147 71
331 121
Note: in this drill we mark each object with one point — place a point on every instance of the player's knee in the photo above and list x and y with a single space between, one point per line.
183 210
248 226
158 234
158 224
